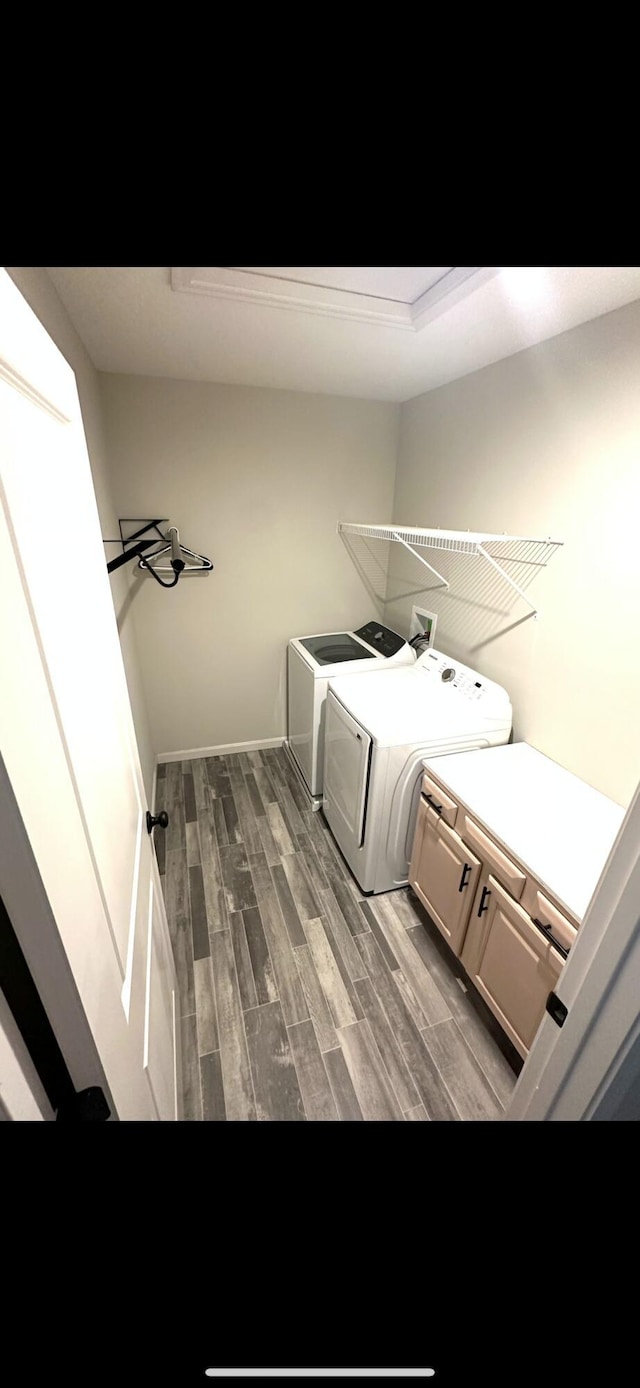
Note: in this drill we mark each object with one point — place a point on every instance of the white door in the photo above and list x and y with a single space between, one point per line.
66 726
346 765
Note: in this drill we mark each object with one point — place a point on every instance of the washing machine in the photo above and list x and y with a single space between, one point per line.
377 732
311 661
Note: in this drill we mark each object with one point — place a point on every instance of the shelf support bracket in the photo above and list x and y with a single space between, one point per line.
507 579
415 554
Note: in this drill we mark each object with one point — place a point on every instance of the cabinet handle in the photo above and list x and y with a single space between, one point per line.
486 893
464 880
437 808
546 931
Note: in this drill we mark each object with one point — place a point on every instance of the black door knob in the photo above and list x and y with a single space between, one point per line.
162 819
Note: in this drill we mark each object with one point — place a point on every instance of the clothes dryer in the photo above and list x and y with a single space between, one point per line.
378 730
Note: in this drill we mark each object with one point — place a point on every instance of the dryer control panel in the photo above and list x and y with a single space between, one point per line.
443 668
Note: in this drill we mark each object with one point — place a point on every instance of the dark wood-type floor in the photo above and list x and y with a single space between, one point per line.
300 999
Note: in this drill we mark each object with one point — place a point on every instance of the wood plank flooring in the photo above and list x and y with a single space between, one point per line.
299 998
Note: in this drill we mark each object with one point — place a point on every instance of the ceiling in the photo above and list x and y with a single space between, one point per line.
372 332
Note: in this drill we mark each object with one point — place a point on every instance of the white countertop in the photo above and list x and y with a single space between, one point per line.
559 827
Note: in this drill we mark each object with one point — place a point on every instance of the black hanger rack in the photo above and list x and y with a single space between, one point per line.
134 548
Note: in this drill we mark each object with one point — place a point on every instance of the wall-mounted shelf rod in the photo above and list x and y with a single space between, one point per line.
136 550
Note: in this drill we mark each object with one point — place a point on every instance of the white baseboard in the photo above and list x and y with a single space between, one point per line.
193 752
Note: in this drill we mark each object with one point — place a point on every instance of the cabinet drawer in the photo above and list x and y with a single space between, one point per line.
540 908
501 866
447 806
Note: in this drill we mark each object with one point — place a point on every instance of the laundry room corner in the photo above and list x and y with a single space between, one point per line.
256 480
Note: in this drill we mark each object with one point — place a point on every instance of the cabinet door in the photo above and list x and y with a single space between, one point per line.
443 873
510 962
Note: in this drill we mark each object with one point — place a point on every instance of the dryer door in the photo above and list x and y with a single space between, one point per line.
346 768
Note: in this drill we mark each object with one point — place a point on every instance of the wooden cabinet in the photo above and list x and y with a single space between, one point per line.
443 874
511 962
510 937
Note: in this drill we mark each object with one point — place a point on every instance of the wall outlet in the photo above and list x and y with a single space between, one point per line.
423 623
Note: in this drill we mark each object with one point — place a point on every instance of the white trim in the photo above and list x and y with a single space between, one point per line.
32 363
223 282
448 291
15 379
193 752
154 787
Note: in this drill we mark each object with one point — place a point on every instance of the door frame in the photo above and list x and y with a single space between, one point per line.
586 1068
23 1096
27 905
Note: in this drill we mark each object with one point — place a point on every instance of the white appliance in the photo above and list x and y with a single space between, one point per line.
311 662
377 733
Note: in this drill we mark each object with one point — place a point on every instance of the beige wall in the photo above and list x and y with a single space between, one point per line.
36 287
545 443
257 481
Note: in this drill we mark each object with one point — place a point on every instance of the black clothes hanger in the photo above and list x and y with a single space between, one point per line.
177 565
177 550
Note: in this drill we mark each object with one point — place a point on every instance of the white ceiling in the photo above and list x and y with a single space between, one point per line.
310 328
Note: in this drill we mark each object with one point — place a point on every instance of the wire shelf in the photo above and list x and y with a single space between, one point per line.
516 549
